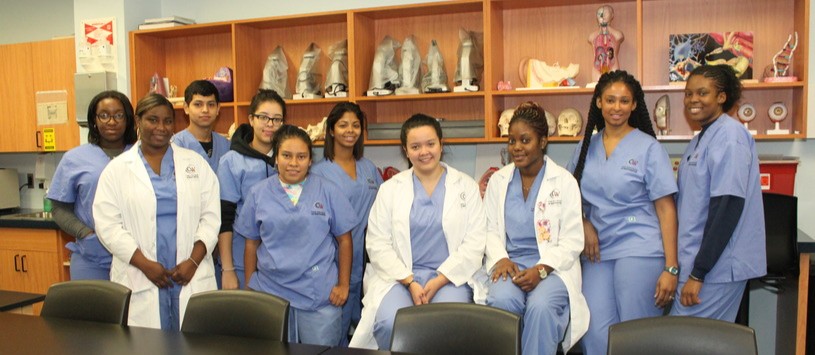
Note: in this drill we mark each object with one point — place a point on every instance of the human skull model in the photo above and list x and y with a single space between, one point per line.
662 113
569 123
503 121
551 122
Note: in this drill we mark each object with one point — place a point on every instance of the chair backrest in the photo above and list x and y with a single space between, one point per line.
456 328
675 335
91 300
243 313
781 224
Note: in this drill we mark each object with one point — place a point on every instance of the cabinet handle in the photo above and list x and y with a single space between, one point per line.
22 263
16 256
37 139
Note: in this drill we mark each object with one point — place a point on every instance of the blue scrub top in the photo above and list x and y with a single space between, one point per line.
619 194
361 193
519 216
237 174
427 242
220 146
75 182
722 162
297 256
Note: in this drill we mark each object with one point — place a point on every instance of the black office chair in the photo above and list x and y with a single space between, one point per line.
243 313
675 335
91 300
781 226
456 328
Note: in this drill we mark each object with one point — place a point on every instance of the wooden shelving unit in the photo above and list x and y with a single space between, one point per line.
513 30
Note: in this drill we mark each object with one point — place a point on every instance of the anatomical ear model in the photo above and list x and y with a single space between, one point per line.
336 80
384 77
308 78
409 68
275 73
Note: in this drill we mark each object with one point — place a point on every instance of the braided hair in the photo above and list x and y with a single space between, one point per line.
534 116
725 80
640 119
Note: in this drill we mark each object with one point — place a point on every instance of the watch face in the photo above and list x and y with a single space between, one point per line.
542 272
673 270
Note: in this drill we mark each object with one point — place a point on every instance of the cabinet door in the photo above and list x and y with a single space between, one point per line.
16 99
53 68
40 270
11 278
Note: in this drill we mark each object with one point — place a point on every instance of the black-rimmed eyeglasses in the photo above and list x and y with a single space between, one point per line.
277 121
105 117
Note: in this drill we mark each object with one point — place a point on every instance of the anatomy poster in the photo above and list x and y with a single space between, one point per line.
690 50
97 49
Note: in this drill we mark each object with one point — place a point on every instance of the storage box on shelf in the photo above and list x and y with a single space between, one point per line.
554 31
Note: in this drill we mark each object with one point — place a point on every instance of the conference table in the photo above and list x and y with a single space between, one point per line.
25 334
19 302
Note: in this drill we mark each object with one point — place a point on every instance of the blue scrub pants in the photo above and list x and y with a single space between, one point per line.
84 269
318 327
545 310
168 307
399 297
351 311
719 301
616 291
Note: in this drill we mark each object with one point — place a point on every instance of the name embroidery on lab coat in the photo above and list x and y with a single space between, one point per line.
463 197
318 209
191 173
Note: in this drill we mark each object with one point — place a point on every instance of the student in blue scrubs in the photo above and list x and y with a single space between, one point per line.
357 176
630 265
426 235
721 214
157 210
201 104
534 239
111 130
249 162
298 241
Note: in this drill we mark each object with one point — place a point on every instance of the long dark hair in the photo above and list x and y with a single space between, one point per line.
640 119
725 79
333 117
130 135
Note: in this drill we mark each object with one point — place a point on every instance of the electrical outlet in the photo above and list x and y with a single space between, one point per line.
30 181
42 185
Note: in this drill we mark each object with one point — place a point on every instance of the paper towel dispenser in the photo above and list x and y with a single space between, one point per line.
86 86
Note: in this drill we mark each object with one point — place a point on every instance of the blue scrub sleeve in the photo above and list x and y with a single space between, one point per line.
228 210
723 217
245 223
729 169
659 177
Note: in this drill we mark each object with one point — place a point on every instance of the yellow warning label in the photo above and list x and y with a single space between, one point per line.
49 139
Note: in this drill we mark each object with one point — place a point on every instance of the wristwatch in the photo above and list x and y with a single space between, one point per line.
542 272
673 270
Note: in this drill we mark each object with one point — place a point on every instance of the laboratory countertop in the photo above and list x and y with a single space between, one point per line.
27 218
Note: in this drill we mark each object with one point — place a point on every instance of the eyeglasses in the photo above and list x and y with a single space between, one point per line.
277 121
105 117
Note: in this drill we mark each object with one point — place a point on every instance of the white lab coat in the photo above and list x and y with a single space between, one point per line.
125 214
559 196
388 241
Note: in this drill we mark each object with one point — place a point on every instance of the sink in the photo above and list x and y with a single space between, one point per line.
33 215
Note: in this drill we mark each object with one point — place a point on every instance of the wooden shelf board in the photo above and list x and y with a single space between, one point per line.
435 8
439 96
188 30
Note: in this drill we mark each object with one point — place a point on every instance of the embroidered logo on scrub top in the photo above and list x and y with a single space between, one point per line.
318 209
371 183
632 165
190 170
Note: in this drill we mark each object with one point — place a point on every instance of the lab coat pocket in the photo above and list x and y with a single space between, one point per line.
134 279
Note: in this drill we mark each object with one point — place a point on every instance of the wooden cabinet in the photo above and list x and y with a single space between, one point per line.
513 30
29 68
31 260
